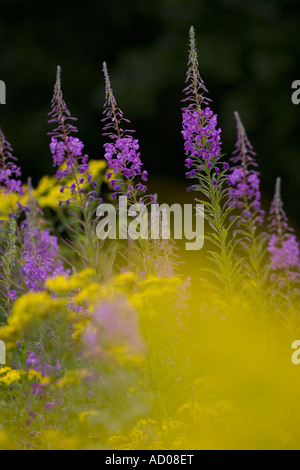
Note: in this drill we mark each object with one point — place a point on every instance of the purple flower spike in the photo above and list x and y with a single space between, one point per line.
283 246
41 257
122 154
59 113
40 250
244 179
66 149
9 171
202 137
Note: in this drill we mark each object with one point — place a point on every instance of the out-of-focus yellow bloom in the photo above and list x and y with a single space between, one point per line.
6 442
144 436
125 282
9 376
48 191
125 357
113 177
97 166
56 440
63 284
59 284
90 416
46 183
8 202
73 377
28 310
78 327
89 293
34 375
154 293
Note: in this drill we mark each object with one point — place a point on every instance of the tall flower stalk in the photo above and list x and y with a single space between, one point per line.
9 172
202 144
74 172
40 256
127 178
283 248
10 184
8 263
244 181
122 153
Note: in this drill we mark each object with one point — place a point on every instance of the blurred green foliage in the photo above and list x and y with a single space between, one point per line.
248 54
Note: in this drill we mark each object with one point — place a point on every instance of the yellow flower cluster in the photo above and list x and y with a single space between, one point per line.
62 285
51 439
153 294
27 313
6 443
90 416
84 291
9 376
8 202
73 377
34 376
146 435
125 357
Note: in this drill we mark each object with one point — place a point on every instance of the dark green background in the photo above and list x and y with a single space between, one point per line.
248 57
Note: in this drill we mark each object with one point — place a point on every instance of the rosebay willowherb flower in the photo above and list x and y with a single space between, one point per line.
122 153
202 144
40 254
127 178
40 257
245 179
77 180
202 137
283 246
7 265
115 323
9 172
67 152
